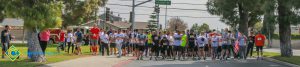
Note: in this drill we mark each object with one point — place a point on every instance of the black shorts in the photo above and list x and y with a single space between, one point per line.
206 47
164 47
225 47
155 48
112 45
176 48
200 48
259 48
191 45
140 47
219 48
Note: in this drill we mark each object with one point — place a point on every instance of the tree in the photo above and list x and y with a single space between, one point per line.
204 27
237 12
2 5
258 26
37 15
288 13
152 23
176 24
195 26
77 12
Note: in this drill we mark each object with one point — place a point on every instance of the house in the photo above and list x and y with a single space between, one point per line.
17 26
111 18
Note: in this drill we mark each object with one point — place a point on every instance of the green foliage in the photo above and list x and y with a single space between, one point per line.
258 26
293 36
233 11
36 14
152 23
77 12
202 28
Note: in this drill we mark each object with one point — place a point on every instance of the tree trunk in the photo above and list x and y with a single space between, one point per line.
243 25
34 50
284 28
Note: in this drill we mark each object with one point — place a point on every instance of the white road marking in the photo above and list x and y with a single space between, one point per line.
206 65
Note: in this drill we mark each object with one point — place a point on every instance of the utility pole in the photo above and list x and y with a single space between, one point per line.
133 12
166 21
157 16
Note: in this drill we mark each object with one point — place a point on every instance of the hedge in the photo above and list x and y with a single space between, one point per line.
294 36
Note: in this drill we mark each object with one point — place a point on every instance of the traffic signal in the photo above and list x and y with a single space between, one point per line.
157 9
107 14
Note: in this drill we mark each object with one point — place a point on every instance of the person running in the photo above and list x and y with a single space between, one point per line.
119 41
125 42
259 43
94 38
164 42
177 42
70 41
61 41
214 46
79 40
6 37
192 49
242 39
170 45
207 46
251 42
133 43
112 40
200 43
183 45
104 38
155 50
141 45
226 44
148 44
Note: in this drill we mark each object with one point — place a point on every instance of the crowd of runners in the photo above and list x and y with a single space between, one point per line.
179 45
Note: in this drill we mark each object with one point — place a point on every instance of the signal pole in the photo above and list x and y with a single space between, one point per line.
133 12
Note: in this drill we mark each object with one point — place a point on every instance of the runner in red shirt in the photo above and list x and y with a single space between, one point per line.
259 42
61 40
94 38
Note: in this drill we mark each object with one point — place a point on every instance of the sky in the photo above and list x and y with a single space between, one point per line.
123 11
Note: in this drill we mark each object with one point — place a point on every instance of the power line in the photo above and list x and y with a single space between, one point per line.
164 15
160 7
171 3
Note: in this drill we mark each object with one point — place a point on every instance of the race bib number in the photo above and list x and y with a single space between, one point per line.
259 38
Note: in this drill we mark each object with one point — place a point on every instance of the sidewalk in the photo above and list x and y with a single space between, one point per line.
296 52
94 61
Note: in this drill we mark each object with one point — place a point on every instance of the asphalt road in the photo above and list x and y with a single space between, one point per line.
208 63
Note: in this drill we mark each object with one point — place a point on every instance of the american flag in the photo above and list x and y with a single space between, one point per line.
236 45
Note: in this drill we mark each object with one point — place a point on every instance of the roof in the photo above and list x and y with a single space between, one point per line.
12 22
141 25
120 24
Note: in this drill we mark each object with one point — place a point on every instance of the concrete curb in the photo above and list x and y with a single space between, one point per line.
280 62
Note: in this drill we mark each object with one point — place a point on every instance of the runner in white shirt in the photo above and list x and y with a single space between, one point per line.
200 42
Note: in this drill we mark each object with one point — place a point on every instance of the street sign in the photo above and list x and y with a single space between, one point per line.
13 53
163 2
